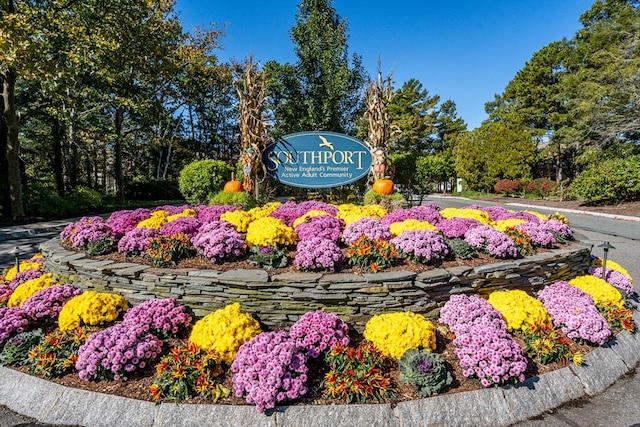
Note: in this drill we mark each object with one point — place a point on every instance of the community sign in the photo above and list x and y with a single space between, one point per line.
317 159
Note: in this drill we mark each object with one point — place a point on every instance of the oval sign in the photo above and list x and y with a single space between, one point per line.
317 159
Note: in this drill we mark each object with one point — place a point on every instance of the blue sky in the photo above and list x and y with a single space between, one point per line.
463 50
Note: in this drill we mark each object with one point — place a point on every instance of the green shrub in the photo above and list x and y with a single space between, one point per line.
201 179
84 198
242 199
41 199
611 180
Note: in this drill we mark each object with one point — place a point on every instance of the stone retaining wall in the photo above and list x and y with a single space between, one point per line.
283 298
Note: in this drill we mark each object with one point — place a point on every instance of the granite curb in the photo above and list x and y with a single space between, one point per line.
51 403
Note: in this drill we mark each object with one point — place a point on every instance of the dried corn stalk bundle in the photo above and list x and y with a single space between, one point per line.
377 99
250 85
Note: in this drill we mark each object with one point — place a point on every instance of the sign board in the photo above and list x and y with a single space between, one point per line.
317 159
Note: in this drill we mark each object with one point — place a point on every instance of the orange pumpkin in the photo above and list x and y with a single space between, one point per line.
383 186
233 186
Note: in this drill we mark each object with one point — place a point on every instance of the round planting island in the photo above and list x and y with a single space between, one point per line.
283 298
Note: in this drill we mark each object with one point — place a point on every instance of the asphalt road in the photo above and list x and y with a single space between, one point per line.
617 406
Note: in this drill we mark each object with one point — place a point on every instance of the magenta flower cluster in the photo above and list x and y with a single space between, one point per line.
268 369
575 313
615 279
559 229
497 213
219 241
324 226
494 242
318 254
456 227
212 213
289 211
483 345
428 212
117 351
23 276
13 320
462 311
47 303
318 331
421 245
136 241
186 224
126 220
5 292
367 226
171 209
164 316
539 235
85 231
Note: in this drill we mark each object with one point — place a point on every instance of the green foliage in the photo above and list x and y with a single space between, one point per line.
425 370
323 89
85 198
461 249
103 245
413 115
356 374
610 180
268 256
492 152
201 179
16 349
430 171
242 199
389 202
188 371
57 352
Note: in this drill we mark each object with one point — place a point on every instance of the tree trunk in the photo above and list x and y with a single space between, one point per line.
117 148
13 159
5 202
58 162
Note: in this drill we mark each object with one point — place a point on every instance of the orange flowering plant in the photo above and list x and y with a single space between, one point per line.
357 374
372 254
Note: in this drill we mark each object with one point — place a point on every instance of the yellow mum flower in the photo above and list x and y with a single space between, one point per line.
395 333
187 212
24 266
91 308
270 231
519 309
308 215
240 219
224 331
601 291
538 214
25 290
155 221
397 228
503 224
476 214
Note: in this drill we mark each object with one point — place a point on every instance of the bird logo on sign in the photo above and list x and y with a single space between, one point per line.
325 143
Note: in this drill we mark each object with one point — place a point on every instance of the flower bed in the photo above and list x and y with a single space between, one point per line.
313 359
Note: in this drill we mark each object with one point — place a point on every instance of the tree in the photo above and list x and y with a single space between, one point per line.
413 116
323 90
491 152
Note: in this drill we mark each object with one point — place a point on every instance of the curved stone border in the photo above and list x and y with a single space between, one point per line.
283 298
51 403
